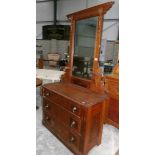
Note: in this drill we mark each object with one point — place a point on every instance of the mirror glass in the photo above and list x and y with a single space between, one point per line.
108 56
85 36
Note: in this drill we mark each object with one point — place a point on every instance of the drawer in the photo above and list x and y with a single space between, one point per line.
48 120
62 101
52 124
73 141
70 138
61 116
83 83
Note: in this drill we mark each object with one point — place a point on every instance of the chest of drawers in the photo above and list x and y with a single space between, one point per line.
74 115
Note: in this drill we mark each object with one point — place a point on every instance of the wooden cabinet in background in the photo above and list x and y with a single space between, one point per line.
39 63
112 88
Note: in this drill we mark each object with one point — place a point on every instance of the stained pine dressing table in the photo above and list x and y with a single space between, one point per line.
74 109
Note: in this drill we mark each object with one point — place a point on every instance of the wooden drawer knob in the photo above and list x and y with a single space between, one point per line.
46 106
74 109
73 123
47 94
47 118
72 139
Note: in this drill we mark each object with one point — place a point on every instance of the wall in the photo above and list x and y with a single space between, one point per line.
44 12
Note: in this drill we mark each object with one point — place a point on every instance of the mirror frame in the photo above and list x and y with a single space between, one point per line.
96 82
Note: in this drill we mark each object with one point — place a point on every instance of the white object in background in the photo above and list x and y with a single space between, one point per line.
48 75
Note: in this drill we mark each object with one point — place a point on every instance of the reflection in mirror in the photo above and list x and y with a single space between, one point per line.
85 35
108 58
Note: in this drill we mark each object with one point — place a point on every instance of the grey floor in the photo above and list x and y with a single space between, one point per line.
48 144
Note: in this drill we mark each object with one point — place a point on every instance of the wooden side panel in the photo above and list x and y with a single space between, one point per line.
113 112
92 130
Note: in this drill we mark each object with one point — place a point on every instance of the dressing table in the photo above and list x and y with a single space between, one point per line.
74 109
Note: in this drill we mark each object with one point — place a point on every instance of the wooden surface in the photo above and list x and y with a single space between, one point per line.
74 114
78 94
91 12
112 88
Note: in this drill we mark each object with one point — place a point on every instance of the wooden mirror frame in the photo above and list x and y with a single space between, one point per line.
96 82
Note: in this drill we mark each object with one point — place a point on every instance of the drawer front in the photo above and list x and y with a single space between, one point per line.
61 116
83 83
70 138
73 142
47 119
62 101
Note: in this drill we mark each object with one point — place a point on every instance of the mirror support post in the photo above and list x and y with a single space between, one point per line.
68 70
